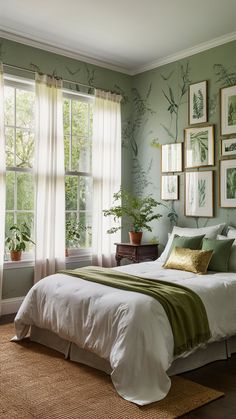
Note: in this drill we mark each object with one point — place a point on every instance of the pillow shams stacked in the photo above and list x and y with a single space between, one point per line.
210 232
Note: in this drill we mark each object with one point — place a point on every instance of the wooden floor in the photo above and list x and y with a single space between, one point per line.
220 375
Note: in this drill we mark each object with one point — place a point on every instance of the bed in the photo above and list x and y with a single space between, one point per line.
127 334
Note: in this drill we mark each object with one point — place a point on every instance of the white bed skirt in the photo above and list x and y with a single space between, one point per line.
213 352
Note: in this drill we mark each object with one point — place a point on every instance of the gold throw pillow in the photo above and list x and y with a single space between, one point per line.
196 261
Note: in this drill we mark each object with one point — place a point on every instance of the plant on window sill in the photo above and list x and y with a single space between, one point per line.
74 229
17 239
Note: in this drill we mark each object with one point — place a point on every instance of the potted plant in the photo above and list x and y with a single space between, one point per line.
135 211
73 233
17 239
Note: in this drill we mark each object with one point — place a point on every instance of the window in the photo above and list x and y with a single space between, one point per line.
19 134
78 117
20 144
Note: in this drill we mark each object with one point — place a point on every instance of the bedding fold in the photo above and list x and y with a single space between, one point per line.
184 308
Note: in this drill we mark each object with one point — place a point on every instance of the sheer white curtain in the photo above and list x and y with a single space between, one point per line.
49 170
2 181
106 170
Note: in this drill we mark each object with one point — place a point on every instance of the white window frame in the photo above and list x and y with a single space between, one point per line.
28 259
28 85
80 254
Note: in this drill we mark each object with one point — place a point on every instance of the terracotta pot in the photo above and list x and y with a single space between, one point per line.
135 237
15 255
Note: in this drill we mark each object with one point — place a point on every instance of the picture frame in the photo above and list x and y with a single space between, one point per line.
228 110
228 147
197 103
199 146
169 187
199 194
171 157
228 183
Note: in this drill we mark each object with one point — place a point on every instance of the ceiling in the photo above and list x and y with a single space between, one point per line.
127 35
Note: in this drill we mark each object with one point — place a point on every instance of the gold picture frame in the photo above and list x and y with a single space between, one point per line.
197 103
228 110
199 194
199 146
171 158
227 184
169 187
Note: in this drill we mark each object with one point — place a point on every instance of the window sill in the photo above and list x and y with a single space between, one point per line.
84 255
24 263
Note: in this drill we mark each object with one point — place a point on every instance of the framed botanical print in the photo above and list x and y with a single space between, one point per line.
228 183
228 110
169 187
228 147
199 194
197 103
199 146
171 157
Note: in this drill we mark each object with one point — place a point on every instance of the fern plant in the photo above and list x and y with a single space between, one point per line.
134 211
198 105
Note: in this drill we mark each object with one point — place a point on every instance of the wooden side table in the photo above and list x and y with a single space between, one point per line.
136 252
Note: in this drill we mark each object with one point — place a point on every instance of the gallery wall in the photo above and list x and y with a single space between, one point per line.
160 114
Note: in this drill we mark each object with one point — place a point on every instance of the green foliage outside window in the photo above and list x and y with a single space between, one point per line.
20 145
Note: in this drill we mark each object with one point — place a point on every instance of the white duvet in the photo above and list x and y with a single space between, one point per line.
128 329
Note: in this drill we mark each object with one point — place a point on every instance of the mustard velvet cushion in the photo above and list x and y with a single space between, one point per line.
196 261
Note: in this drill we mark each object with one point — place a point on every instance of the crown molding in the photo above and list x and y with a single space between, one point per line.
186 53
77 55
39 43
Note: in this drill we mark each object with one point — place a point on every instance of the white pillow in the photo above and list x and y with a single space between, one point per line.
232 257
231 233
209 232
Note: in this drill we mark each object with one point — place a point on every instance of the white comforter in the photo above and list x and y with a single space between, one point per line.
128 329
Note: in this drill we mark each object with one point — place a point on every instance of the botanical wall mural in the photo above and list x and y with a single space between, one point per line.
130 132
169 101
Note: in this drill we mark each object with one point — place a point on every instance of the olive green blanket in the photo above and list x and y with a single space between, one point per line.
183 307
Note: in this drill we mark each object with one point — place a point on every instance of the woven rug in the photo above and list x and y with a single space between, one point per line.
37 382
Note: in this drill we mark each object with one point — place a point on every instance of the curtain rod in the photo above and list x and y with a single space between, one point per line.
33 72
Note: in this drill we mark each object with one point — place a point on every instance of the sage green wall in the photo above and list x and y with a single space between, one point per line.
17 282
146 123
159 126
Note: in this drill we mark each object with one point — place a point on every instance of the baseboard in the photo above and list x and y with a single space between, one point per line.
11 305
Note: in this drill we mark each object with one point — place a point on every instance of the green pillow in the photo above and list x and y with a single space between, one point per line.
220 259
193 243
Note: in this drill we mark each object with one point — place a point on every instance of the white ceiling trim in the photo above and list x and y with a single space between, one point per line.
186 53
56 49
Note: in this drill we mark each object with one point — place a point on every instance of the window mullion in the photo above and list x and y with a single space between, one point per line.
15 198
78 199
14 126
70 147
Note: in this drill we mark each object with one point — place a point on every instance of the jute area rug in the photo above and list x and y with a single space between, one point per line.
36 382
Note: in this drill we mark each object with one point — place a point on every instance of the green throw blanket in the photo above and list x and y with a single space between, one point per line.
184 308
